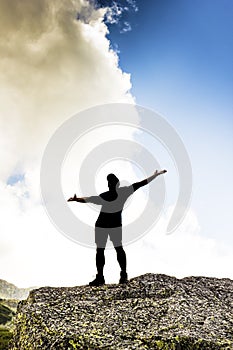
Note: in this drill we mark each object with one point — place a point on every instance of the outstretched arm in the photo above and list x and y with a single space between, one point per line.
92 199
137 185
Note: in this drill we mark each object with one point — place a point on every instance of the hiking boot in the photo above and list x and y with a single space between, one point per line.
123 278
98 281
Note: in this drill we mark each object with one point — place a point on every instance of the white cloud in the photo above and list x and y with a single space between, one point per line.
115 14
126 28
51 66
186 252
133 4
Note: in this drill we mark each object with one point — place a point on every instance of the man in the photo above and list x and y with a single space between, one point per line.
109 222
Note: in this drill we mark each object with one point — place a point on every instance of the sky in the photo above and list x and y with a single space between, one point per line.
174 57
180 55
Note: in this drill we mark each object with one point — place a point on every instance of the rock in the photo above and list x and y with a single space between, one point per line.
150 312
9 298
7 312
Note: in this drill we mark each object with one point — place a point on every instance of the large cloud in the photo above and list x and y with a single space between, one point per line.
51 66
55 60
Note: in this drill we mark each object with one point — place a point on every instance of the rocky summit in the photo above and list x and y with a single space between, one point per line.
151 312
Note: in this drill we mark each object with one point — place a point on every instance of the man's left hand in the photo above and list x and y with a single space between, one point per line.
72 199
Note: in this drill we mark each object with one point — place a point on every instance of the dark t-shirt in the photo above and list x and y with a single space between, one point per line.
112 205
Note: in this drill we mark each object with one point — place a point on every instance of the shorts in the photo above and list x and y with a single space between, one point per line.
102 233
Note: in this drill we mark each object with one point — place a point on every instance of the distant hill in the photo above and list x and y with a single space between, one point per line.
10 291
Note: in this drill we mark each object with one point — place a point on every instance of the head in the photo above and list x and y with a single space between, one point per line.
113 181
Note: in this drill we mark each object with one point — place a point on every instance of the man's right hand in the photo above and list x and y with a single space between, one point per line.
157 172
72 199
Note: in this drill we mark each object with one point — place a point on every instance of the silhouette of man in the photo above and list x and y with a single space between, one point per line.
109 222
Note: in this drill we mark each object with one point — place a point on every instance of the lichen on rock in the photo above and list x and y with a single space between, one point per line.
150 312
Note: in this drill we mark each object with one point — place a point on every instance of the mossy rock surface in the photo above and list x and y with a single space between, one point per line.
6 314
5 338
150 312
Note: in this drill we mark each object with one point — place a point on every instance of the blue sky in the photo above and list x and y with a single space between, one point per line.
180 57
182 49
